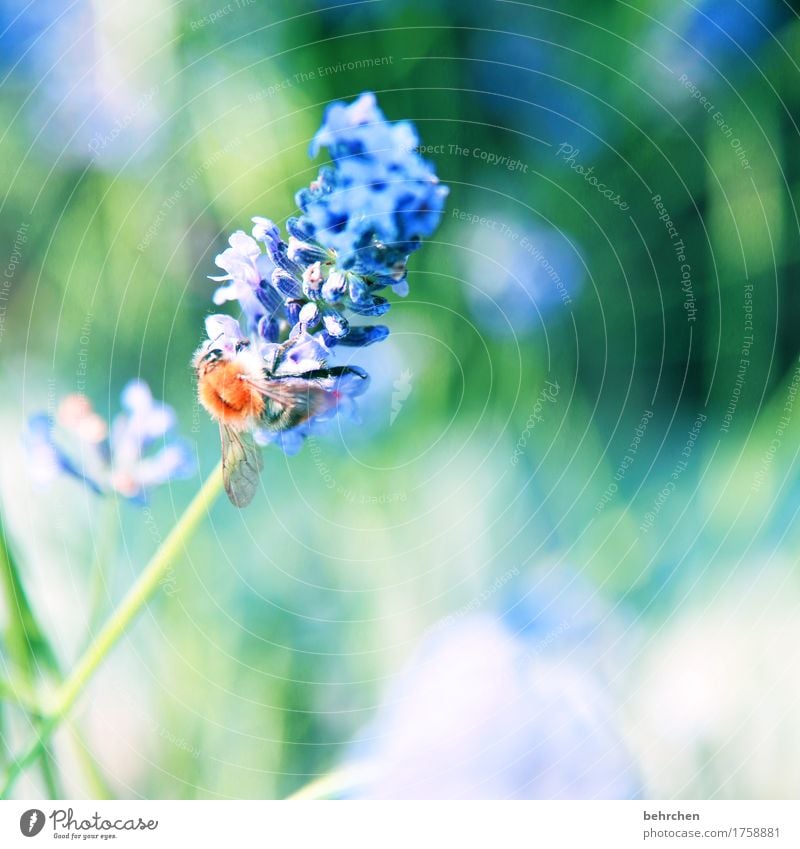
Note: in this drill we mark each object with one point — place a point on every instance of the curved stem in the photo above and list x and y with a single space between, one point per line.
129 608
27 647
26 642
103 561
333 783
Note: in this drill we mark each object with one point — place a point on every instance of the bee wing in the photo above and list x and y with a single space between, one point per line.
299 394
241 465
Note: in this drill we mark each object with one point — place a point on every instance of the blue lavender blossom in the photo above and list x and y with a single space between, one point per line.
248 271
380 198
543 729
125 459
363 216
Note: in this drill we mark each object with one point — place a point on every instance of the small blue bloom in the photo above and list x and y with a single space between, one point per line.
359 337
363 216
224 332
343 124
247 272
715 28
266 231
379 199
289 441
335 286
365 213
713 39
309 314
46 461
138 454
482 714
360 127
73 106
306 353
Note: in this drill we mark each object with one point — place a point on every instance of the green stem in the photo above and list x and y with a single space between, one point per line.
49 777
98 788
44 730
333 783
26 642
22 696
129 608
103 561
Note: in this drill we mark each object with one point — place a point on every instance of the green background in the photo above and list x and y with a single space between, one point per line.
269 652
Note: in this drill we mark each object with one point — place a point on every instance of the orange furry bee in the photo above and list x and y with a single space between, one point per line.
242 392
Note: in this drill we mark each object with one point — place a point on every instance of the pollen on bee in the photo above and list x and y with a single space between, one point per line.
227 397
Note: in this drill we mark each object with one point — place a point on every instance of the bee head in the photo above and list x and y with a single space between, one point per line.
207 356
214 351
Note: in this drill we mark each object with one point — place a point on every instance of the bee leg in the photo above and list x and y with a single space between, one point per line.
278 354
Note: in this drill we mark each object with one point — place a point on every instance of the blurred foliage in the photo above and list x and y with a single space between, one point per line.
288 618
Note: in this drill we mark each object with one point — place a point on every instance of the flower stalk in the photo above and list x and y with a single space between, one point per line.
27 644
334 783
127 611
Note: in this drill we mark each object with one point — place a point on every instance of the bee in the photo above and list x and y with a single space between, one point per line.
241 392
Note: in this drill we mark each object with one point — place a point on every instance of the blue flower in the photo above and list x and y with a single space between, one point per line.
480 713
46 460
378 201
75 108
303 295
714 28
137 455
225 333
346 128
248 275
316 295
363 216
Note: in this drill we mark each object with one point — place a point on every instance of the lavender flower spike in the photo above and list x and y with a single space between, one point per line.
137 454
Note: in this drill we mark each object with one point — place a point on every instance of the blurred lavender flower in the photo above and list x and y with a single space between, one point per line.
710 40
719 29
558 610
520 276
82 100
126 460
362 217
481 714
553 102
